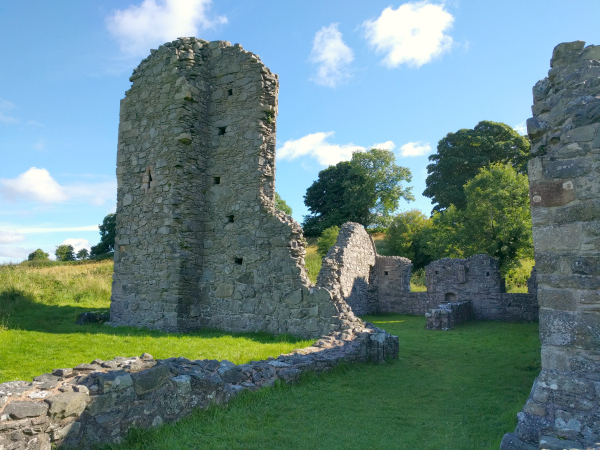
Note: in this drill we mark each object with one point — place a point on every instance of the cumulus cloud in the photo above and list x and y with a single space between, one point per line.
521 128
315 145
34 230
77 244
331 55
415 149
10 237
38 185
154 22
413 34
387 145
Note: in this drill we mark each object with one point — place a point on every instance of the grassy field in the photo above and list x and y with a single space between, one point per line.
38 308
459 389
456 390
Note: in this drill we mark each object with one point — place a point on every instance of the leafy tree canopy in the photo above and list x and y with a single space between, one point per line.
327 239
343 193
107 236
281 205
366 190
461 155
404 237
496 220
37 255
65 252
83 253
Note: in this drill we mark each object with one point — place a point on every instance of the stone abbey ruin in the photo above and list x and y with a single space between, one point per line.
200 244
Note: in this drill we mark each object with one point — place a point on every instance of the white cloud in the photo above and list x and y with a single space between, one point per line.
331 55
154 22
387 145
34 184
38 185
415 149
4 106
77 244
314 145
521 128
10 237
413 34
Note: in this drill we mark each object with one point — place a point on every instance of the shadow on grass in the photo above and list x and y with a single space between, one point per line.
19 311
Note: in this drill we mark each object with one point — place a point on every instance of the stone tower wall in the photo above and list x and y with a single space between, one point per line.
564 177
198 240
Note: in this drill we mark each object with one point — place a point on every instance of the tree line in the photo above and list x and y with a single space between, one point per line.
477 182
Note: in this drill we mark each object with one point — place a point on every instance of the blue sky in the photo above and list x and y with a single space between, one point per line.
352 74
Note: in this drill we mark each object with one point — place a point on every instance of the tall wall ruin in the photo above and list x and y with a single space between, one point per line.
563 410
198 240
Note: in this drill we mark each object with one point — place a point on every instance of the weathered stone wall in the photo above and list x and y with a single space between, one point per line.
564 183
475 280
459 278
98 403
198 240
346 268
447 315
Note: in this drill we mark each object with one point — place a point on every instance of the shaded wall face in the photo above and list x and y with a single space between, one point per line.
478 274
199 242
564 177
564 187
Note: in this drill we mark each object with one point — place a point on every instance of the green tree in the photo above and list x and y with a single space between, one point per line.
83 253
107 236
337 197
496 220
497 215
385 179
461 155
281 205
37 255
366 190
65 252
404 237
327 239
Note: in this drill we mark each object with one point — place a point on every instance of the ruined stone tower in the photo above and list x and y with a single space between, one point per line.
563 410
198 240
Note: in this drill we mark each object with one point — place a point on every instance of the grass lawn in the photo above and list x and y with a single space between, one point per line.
459 389
38 308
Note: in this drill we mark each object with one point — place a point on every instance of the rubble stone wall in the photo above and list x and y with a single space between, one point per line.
198 240
346 269
98 403
563 410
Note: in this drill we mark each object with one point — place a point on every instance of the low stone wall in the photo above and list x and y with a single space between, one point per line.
448 315
99 402
499 307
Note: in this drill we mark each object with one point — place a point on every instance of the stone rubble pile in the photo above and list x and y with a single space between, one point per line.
99 402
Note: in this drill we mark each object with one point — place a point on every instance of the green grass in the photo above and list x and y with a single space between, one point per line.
313 263
38 308
459 389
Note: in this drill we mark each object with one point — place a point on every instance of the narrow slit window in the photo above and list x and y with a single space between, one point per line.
385 273
217 180
222 130
230 92
230 219
487 274
238 261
